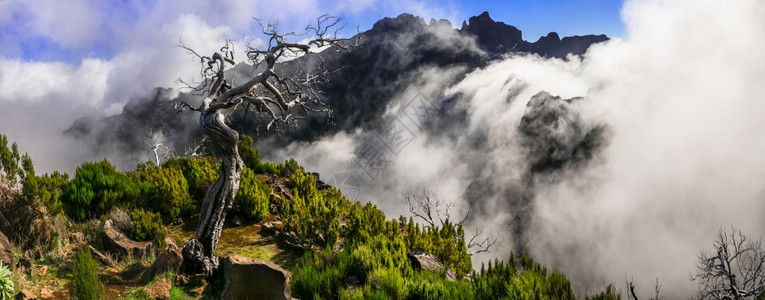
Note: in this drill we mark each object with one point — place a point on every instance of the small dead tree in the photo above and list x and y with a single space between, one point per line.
154 141
429 209
734 270
280 99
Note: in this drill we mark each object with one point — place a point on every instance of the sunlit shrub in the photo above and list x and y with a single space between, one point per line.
85 284
95 189
252 199
147 226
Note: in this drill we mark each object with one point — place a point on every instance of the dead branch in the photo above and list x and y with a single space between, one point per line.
734 270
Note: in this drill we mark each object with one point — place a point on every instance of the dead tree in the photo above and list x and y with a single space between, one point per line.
430 209
734 270
282 99
153 141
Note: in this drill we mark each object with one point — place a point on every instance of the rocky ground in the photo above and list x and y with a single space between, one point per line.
42 266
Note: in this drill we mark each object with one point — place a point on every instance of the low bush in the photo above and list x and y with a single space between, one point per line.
200 173
85 284
47 188
166 191
252 199
95 189
148 227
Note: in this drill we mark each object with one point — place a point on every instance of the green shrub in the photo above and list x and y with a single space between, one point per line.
47 188
247 151
95 189
147 227
426 285
319 275
200 173
9 161
289 167
312 214
609 294
268 168
165 190
85 284
6 282
521 278
391 282
252 199
351 294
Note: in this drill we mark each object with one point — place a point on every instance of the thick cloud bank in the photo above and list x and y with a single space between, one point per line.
621 163
672 117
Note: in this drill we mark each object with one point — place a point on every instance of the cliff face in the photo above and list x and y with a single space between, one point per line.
392 53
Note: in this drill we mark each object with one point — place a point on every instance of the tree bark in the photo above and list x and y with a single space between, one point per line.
199 252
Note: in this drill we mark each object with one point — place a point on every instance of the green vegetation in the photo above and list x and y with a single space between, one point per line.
313 215
165 190
252 199
6 282
95 189
148 227
251 158
353 251
200 172
46 188
521 278
10 170
85 283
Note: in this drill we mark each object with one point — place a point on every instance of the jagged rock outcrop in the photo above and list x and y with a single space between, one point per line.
119 244
248 278
494 37
393 51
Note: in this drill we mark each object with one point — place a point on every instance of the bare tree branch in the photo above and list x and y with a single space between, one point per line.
734 270
428 207
283 101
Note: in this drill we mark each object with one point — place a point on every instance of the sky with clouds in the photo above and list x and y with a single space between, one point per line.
61 60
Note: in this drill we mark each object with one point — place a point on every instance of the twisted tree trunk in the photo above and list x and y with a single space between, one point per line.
276 99
199 252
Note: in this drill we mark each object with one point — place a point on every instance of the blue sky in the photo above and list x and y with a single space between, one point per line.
68 31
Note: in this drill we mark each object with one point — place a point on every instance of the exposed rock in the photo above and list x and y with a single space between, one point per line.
198 291
235 221
284 190
101 257
160 289
167 260
290 241
25 295
119 244
493 36
248 278
133 271
42 270
46 293
6 252
190 280
77 238
430 263
170 243
5 226
271 228
351 281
